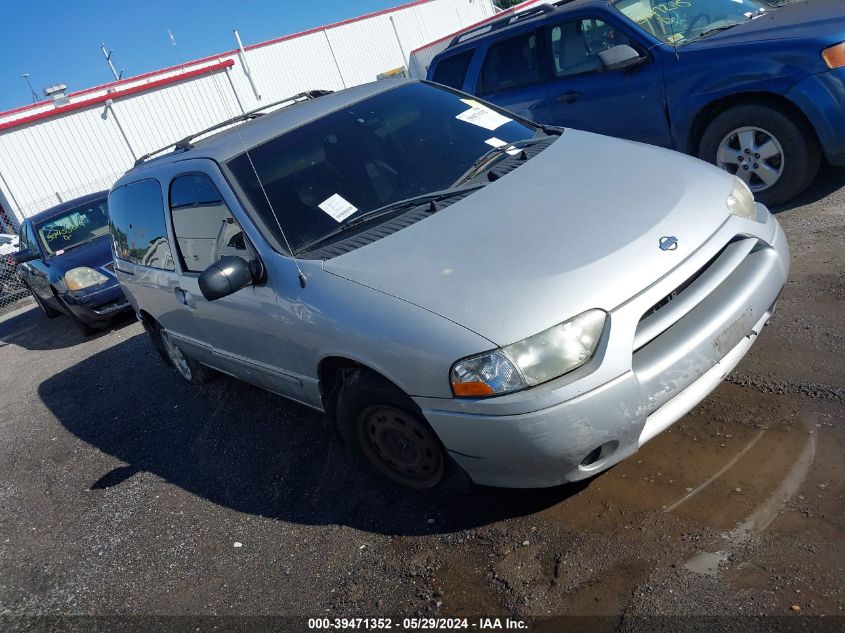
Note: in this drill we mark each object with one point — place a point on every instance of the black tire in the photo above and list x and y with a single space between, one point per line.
801 154
191 370
48 311
385 429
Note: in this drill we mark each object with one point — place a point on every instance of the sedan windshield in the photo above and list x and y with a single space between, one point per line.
409 141
679 22
74 227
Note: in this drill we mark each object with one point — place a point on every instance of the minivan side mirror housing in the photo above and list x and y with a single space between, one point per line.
224 277
619 57
25 255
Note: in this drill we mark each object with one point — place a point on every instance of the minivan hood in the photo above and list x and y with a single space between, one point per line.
577 227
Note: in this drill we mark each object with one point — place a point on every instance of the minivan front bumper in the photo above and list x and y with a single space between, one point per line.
664 351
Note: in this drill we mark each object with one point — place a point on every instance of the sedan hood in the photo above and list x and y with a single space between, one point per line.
577 227
93 254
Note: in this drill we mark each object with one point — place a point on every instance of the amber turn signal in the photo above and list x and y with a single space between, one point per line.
834 56
472 389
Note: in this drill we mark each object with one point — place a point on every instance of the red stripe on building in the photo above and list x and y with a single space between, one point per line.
209 58
117 94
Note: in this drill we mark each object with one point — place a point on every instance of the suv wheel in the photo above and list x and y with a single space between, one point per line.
192 371
384 427
776 155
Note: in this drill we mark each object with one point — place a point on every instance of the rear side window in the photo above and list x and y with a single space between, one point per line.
204 228
136 221
452 70
511 63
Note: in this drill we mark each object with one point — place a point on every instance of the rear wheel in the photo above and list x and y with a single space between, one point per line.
775 153
384 427
194 372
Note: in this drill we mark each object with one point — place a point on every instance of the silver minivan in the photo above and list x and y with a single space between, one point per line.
458 289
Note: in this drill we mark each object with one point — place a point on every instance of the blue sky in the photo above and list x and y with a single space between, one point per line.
59 41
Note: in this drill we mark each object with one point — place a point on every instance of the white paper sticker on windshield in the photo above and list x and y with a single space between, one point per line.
338 207
497 142
483 117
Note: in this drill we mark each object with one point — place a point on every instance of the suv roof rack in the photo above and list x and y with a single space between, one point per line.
504 23
187 142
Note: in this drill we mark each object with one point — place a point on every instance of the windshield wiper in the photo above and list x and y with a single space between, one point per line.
416 201
494 153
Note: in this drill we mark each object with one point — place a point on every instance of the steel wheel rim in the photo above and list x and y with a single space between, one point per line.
400 446
754 155
176 356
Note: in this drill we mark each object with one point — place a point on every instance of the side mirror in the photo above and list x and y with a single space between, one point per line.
619 57
25 255
224 277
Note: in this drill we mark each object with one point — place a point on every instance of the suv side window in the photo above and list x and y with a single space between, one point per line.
136 221
452 70
203 225
510 63
575 46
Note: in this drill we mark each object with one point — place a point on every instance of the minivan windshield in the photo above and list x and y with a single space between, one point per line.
408 141
74 227
679 22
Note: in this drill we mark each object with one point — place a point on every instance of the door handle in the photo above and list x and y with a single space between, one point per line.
570 96
185 298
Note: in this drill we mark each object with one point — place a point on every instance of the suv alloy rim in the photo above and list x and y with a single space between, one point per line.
175 355
401 446
754 155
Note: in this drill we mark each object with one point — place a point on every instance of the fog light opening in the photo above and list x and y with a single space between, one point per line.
599 456
591 457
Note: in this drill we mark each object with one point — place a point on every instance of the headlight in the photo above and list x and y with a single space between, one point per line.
532 361
834 56
83 277
741 201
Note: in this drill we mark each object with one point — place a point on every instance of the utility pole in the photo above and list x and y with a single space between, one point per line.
32 92
107 55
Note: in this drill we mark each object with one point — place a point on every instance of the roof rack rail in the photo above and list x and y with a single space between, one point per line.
500 24
187 142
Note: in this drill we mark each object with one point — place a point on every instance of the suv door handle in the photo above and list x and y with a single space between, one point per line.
185 298
570 96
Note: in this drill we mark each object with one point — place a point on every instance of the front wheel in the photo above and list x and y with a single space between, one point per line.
384 428
191 370
774 153
48 311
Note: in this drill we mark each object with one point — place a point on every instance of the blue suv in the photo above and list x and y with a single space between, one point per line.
756 88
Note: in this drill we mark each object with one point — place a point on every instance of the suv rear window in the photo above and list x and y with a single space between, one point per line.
510 63
452 70
136 221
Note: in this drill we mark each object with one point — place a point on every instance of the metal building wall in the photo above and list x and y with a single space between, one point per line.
67 154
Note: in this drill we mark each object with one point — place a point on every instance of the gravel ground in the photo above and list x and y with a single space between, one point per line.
126 492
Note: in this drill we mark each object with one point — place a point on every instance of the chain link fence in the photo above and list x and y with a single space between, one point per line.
13 293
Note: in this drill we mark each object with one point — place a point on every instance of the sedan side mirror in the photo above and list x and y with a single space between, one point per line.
224 277
25 255
619 57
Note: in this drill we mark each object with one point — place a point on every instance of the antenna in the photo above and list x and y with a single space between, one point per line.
107 55
32 92
175 46
303 280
